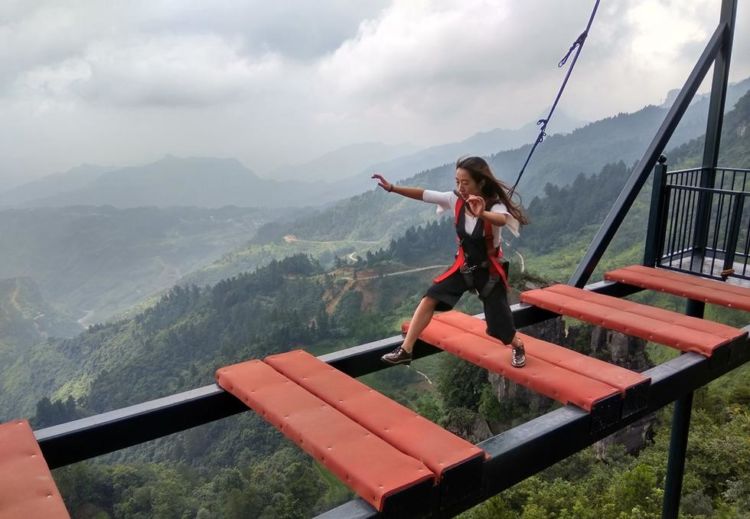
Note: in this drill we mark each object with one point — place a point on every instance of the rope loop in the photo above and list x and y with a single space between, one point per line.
578 43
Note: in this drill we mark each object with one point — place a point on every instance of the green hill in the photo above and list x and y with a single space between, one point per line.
99 261
206 182
31 365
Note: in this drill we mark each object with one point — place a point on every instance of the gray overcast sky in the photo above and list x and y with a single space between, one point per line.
121 83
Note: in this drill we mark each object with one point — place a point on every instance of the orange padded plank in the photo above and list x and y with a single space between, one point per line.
406 430
27 489
684 285
539 375
371 467
615 376
654 324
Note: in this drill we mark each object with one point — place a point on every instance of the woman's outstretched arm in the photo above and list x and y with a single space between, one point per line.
410 192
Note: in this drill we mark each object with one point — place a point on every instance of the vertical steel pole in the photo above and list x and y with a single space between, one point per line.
656 223
679 438
713 130
677 450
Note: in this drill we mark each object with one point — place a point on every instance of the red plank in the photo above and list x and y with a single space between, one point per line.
27 490
409 432
610 374
654 324
371 467
539 375
683 285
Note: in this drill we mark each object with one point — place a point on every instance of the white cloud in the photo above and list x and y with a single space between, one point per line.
164 71
83 80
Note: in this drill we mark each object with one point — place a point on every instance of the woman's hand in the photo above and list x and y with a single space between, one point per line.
382 182
475 204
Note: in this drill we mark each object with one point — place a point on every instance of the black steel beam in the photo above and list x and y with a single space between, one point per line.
542 442
719 87
678 441
108 432
683 407
641 172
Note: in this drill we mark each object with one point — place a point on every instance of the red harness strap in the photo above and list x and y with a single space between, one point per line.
493 254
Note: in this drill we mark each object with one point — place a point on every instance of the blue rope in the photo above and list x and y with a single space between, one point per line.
542 123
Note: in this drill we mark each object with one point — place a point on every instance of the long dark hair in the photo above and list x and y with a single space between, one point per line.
492 189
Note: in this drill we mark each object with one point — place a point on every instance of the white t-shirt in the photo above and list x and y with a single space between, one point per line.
446 200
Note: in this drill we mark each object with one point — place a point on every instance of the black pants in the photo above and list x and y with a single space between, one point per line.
497 312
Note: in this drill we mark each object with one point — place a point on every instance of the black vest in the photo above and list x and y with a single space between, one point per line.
474 244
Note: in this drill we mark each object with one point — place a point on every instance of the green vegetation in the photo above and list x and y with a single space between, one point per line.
99 261
615 485
30 365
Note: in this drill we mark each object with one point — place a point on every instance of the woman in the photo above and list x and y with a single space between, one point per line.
482 206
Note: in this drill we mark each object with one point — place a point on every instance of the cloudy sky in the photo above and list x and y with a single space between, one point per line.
270 83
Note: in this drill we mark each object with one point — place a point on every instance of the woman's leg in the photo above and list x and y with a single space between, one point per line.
500 324
419 321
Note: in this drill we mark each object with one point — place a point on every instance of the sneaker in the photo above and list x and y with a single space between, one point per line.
397 356
518 356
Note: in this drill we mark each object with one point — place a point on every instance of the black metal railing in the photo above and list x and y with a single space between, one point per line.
732 179
705 229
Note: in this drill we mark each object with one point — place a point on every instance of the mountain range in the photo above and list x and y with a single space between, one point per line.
341 163
99 261
215 182
370 220
95 262
482 144
297 299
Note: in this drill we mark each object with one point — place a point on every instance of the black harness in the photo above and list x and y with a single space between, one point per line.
474 247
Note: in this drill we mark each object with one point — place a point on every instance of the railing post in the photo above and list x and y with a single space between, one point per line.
702 220
679 438
734 232
656 223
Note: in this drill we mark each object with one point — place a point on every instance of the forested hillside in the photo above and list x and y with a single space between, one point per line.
29 366
97 261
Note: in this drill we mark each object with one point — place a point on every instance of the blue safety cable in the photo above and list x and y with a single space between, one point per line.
577 46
